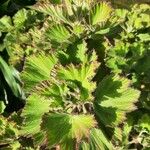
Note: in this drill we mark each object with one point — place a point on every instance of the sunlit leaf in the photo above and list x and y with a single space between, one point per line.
37 69
114 98
100 13
35 108
60 128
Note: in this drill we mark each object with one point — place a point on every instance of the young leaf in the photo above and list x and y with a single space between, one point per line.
58 33
82 76
81 52
19 18
55 11
100 13
144 122
2 107
6 24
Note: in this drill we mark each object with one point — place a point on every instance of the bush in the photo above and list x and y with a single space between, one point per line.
84 66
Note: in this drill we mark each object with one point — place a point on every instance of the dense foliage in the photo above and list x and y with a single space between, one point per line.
74 75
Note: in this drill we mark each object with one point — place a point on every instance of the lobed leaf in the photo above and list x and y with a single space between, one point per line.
55 11
37 69
114 98
100 13
82 76
65 128
35 108
58 33
19 18
6 24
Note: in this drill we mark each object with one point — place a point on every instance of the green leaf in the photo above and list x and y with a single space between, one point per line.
35 108
76 53
55 91
55 11
100 13
37 69
122 13
2 107
144 37
84 146
114 98
65 128
19 18
81 52
14 146
7 72
6 24
58 33
82 76
8 131
56 127
99 141
103 31
144 122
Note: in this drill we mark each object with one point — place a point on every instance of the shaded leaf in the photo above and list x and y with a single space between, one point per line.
99 141
114 98
144 122
7 72
82 76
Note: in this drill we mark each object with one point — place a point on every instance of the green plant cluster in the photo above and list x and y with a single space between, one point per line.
75 75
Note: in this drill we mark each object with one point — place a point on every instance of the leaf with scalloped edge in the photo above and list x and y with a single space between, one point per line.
82 76
65 128
77 53
114 98
81 50
19 18
55 11
97 140
8 132
6 24
57 92
58 34
100 13
37 69
35 108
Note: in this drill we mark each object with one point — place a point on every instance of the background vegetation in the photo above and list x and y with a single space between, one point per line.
74 75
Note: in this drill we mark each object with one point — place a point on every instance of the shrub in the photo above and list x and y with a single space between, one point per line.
81 72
